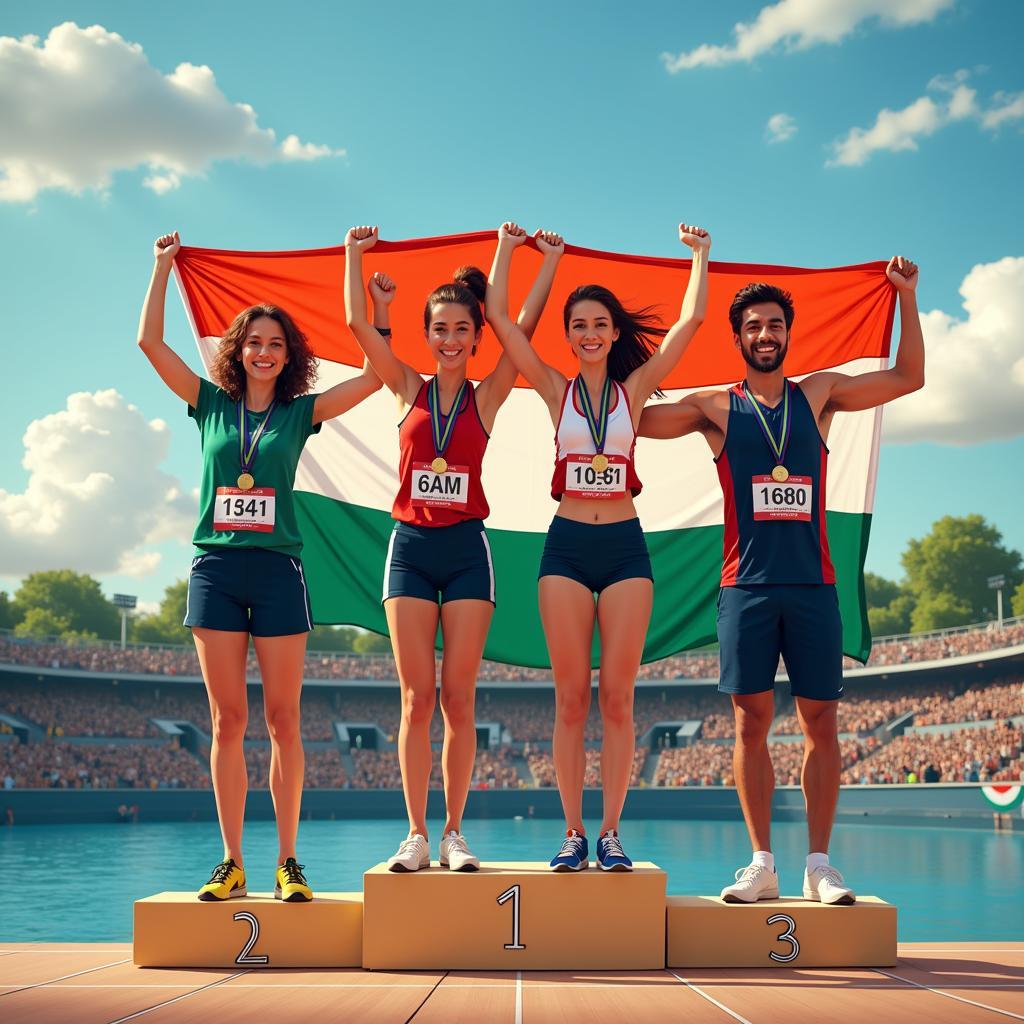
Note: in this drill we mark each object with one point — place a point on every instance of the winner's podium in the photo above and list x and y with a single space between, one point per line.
514 916
705 931
175 929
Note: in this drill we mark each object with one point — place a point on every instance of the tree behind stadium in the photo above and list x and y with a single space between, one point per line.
60 602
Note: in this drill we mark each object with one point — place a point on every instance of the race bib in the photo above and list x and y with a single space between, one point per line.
235 509
583 481
445 490
791 500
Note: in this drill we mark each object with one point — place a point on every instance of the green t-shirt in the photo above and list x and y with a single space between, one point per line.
277 456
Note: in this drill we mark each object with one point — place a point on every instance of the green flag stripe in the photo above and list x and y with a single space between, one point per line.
345 547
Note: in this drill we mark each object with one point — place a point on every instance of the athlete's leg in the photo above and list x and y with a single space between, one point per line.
623 614
822 768
567 612
464 625
412 623
222 657
752 766
282 659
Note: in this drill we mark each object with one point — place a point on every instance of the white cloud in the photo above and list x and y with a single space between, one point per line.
801 24
85 103
1007 107
896 130
95 494
974 367
780 127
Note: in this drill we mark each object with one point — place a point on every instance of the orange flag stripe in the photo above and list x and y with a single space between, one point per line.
842 313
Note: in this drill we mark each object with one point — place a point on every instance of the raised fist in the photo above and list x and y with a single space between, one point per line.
511 234
694 237
382 289
548 241
166 247
902 273
361 238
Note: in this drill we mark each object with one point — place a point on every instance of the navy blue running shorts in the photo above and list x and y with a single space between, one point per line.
248 590
799 622
596 554
440 563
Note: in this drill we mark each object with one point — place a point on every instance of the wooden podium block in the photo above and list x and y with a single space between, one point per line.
703 931
514 917
174 929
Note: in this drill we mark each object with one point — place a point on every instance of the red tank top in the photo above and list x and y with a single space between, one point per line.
574 449
426 498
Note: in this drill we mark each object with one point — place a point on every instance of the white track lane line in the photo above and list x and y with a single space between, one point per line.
710 999
949 995
178 999
519 997
65 977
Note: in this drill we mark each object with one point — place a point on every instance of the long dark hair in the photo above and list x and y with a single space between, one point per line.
637 330
297 376
468 287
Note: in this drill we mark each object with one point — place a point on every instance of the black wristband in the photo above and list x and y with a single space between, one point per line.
384 332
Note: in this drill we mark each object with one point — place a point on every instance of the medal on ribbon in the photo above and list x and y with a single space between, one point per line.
598 424
248 444
779 474
442 435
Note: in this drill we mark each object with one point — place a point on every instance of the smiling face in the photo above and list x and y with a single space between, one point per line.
451 334
264 349
764 338
591 331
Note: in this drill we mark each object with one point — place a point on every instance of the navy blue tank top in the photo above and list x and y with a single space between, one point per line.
774 532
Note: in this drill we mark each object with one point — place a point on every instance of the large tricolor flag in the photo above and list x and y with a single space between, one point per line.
347 478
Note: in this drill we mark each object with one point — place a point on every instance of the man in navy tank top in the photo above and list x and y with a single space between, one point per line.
778 597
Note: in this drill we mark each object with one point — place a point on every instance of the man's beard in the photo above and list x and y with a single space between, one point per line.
760 364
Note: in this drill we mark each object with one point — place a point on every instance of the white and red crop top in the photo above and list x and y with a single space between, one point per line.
574 451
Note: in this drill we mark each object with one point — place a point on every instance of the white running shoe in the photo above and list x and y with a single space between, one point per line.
754 882
825 885
454 853
413 854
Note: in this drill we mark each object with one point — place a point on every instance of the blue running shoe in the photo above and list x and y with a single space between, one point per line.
610 855
573 854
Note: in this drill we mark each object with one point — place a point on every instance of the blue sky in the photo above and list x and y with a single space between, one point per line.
564 116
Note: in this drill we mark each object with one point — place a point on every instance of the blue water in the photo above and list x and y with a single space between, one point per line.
76 883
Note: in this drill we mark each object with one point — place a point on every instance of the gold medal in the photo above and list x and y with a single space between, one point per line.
439 465
780 474
245 481
599 462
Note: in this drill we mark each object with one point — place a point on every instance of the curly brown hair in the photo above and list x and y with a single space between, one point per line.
298 375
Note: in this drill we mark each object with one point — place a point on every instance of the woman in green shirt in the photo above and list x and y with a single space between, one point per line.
246 577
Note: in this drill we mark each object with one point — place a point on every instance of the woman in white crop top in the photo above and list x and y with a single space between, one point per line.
595 545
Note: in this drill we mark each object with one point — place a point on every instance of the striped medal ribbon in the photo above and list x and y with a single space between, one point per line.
779 474
598 424
442 436
249 443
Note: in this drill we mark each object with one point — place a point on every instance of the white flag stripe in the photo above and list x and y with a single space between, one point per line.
355 458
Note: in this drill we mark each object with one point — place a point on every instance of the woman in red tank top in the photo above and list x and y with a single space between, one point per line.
438 568
595 545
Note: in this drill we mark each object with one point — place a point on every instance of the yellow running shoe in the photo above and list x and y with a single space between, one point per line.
226 882
291 883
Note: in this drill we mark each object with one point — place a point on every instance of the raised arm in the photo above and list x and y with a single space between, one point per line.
647 378
399 377
843 393
173 370
498 384
544 379
675 419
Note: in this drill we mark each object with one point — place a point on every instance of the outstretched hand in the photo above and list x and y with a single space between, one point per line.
511 234
694 237
166 247
902 273
361 238
382 289
549 241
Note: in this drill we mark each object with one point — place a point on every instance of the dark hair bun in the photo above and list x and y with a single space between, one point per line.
474 279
